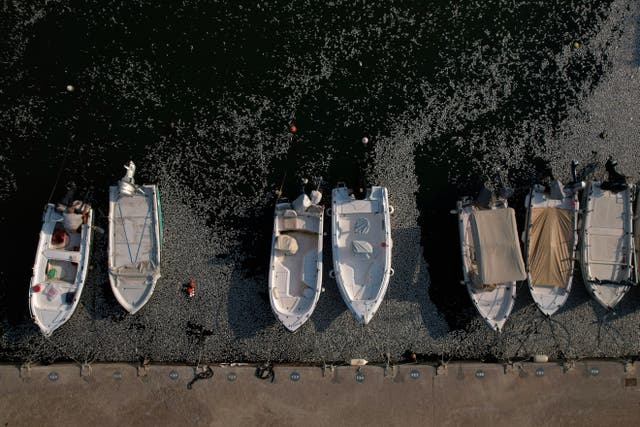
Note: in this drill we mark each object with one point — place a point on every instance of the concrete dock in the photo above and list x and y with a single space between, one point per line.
584 393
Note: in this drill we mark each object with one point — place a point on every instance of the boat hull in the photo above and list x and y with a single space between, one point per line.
607 244
59 272
134 245
551 295
295 273
494 305
361 245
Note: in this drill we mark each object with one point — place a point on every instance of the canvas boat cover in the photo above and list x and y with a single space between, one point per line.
608 241
497 248
550 245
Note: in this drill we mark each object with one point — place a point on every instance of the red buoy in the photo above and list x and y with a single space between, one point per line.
383 244
191 289
293 128
36 288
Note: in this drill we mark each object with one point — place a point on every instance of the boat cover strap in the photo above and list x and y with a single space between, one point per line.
497 247
550 245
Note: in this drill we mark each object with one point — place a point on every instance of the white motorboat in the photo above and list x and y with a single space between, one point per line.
361 238
607 243
60 268
491 257
135 241
295 273
550 244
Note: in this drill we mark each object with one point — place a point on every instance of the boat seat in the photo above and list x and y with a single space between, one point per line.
285 244
280 278
361 226
374 276
360 207
362 248
309 224
310 270
348 276
289 213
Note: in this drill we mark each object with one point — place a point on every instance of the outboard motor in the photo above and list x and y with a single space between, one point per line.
574 170
127 185
577 184
485 198
68 197
556 190
504 190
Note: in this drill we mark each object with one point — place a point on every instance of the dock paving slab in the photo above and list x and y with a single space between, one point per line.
527 394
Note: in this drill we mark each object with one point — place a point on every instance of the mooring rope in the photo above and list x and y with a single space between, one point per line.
204 375
534 328
64 159
603 322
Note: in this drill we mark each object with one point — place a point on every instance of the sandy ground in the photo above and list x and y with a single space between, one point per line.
216 236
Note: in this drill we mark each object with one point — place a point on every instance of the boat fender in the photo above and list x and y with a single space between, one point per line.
332 274
190 289
391 272
540 358
391 209
328 211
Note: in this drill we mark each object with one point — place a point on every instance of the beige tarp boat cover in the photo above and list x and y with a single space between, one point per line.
550 244
497 248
